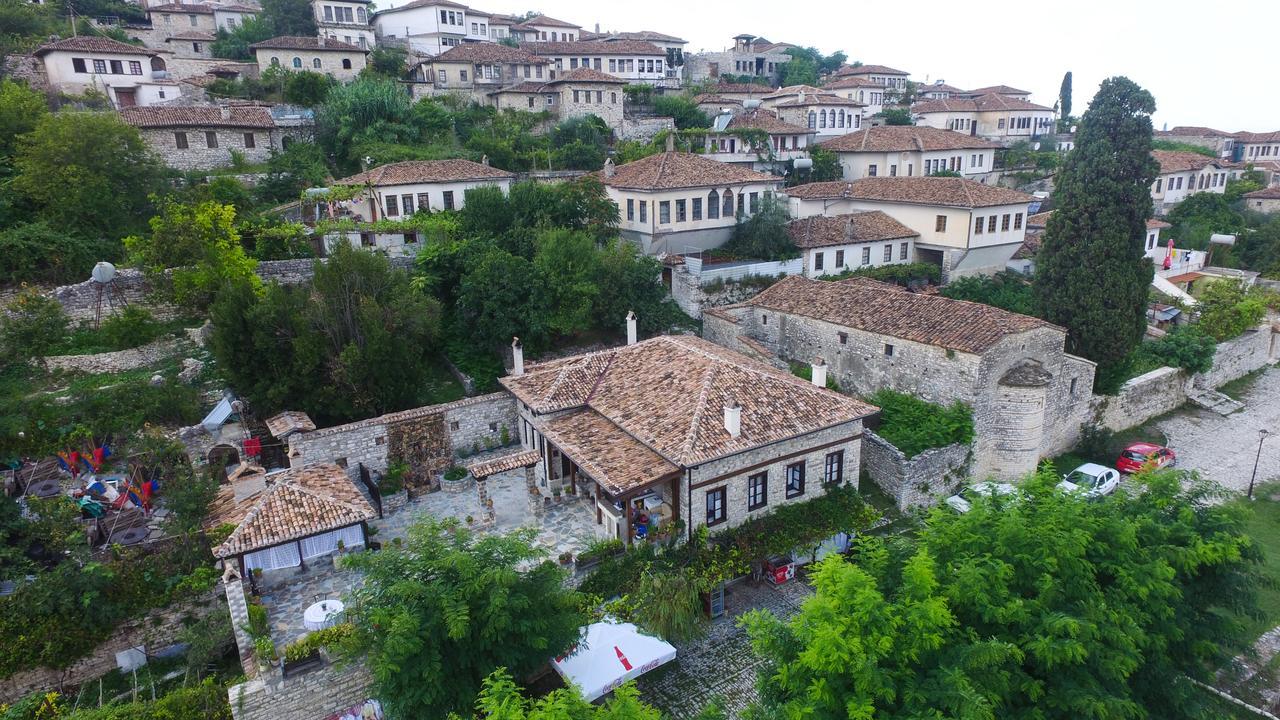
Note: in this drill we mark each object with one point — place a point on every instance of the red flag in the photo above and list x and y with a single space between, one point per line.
622 658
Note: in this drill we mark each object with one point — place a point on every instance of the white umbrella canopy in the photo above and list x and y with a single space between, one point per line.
611 654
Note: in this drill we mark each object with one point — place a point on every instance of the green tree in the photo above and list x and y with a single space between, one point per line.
1259 249
87 172
1186 346
290 17
369 109
826 167
763 235
451 602
567 264
1227 309
1202 214
1007 290
192 251
21 109
1091 275
1064 97
389 62
897 116
500 298
1248 182
683 110
800 69
501 699
580 143
292 170
32 324
234 44
266 239
41 252
307 88
632 281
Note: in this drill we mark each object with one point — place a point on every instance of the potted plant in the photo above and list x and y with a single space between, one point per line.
566 558
470 519
555 492
337 556
265 651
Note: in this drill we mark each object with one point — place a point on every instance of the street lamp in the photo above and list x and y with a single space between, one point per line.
1262 435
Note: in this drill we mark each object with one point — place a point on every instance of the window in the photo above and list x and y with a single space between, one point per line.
599 97
448 199
297 62
664 212
575 96
844 338
631 209
697 209
315 63
275 61
713 205
813 120
1004 223
1017 221
361 16
755 202
817 260
834 468
644 211
893 171
680 210
888 252
180 140
573 63
328 12
100 67
78 65
888 350
715 506
613 65
902 251
991 224
346 63
940 223
211 139
866 256
757 491
367 240
135 67
1073 386
839 259
193 20
795 480
1000 124
393 206
727 211
406 202
250 141
462 75
871 171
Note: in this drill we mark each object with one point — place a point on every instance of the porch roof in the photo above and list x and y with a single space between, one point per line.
484 468
611 457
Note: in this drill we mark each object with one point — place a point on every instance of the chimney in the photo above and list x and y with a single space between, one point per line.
226 112
848 229
801 97
671 141
597 28
517 357
819 376
631 327
484 160
321 42
608 167
733 418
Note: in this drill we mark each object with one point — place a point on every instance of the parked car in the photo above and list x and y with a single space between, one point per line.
1141 455
1092 479
962 501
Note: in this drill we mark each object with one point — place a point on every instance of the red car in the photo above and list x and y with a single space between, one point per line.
1141 455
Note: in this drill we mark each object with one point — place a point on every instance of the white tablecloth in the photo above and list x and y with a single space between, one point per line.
322 614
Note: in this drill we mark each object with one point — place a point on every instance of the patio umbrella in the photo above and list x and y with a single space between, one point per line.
612 654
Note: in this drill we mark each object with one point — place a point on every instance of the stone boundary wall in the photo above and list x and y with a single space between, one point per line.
687 291
158 630
1165 389
312 696
920 481
644 129
114 362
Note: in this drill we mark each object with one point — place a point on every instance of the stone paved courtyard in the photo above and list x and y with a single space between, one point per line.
720 663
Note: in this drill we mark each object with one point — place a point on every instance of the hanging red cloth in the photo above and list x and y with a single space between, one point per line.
253 447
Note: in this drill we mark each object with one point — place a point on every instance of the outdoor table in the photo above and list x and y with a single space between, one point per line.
322 614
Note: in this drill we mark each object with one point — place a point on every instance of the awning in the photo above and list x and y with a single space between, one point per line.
612 654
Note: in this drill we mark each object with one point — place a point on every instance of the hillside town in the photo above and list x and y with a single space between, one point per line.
409 360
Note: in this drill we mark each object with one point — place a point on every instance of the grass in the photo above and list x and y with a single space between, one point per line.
1236 389
1264 527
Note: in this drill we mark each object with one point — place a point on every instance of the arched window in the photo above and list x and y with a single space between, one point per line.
360 15
841 119
346 63
822 118
713 205
727 211
315 63
275 61
297 62
157 64
813 120
832 114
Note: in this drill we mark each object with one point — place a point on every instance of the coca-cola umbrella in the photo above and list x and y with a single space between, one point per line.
611 654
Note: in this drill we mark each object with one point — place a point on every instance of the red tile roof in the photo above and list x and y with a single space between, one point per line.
671 170
852 81
93 44
587 75
742 88
487 52
492 466
412 172
903 138
165 116
1172 161
850 229
868 70
945 191
605 452
421 4
193 8
765 120
1269 193
290 42
984 103
996 90
550 22
594 47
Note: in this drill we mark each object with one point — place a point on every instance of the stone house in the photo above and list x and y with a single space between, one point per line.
1029 397
910 150
542 28
1000 118
830 245
127 74
1185 173
750 55
481 67
681 202
345 20
965 227
177 17
894 81
713 104
634 61
590 92
229 16
1222 143
679 429
199 138
1266 200
784 141
825 114
742 92
337 59
865 91
190 45
1254 147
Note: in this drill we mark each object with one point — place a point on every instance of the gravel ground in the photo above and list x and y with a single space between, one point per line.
1223 448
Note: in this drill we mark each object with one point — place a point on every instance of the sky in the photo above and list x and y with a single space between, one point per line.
1199 59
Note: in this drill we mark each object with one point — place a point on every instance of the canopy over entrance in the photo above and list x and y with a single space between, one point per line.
612 654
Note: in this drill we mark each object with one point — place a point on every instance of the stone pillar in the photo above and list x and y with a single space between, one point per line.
239 609
482 493
535 497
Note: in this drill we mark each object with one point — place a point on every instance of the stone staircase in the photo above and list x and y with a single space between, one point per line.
1212 400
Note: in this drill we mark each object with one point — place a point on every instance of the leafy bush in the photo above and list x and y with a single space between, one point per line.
130 328
40 252
681 109
1227 309
906 274
805 370
1007 290
457 472
762 235
1186 346
207 700
913 425
31 325
325 638
393 478
1095 441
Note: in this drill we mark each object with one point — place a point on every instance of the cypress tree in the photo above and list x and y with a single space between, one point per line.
1091 276
1064 96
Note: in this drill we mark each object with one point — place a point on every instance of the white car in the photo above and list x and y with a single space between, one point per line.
1092 479
962 501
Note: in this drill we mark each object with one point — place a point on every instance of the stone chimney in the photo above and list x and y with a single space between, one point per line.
802 97
819 375
733 418
597 28
321 41
226 112
517 357
484 160
631 327
671 141
848 229
608 167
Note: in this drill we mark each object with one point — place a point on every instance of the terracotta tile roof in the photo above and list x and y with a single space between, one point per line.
287 42
747 88
550 22
645 35
1172 161
587 75
594 47
520 458
711 99
164 116
852 81
993 102
1269 193
289 422
819 99
294 504
886 309
486 52
633 387
860 227
1194 131
766 46
764 120
903 138
528 87
426 171
93 44
671 170
605 452
191 35
940 87
948 191
996 90
1039 219
236 7
421 4
869 70
193 8
793 90
947 105
1154 224
1252 137
1030 246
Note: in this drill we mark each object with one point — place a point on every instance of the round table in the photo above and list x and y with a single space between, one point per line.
322 614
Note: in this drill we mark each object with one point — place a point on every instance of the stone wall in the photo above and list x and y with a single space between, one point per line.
197 155
687 291
315 695
643 129
920 481
158 630
1240 356
466 423
114 362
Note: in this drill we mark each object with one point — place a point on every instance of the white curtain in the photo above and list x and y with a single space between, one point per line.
280 556
326 543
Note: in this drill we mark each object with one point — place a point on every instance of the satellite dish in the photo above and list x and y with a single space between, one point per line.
103 272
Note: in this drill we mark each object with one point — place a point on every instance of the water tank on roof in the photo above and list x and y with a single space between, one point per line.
803 163
103 272
1220 239
750 104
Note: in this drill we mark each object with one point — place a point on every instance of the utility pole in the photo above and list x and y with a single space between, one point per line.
1262 435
